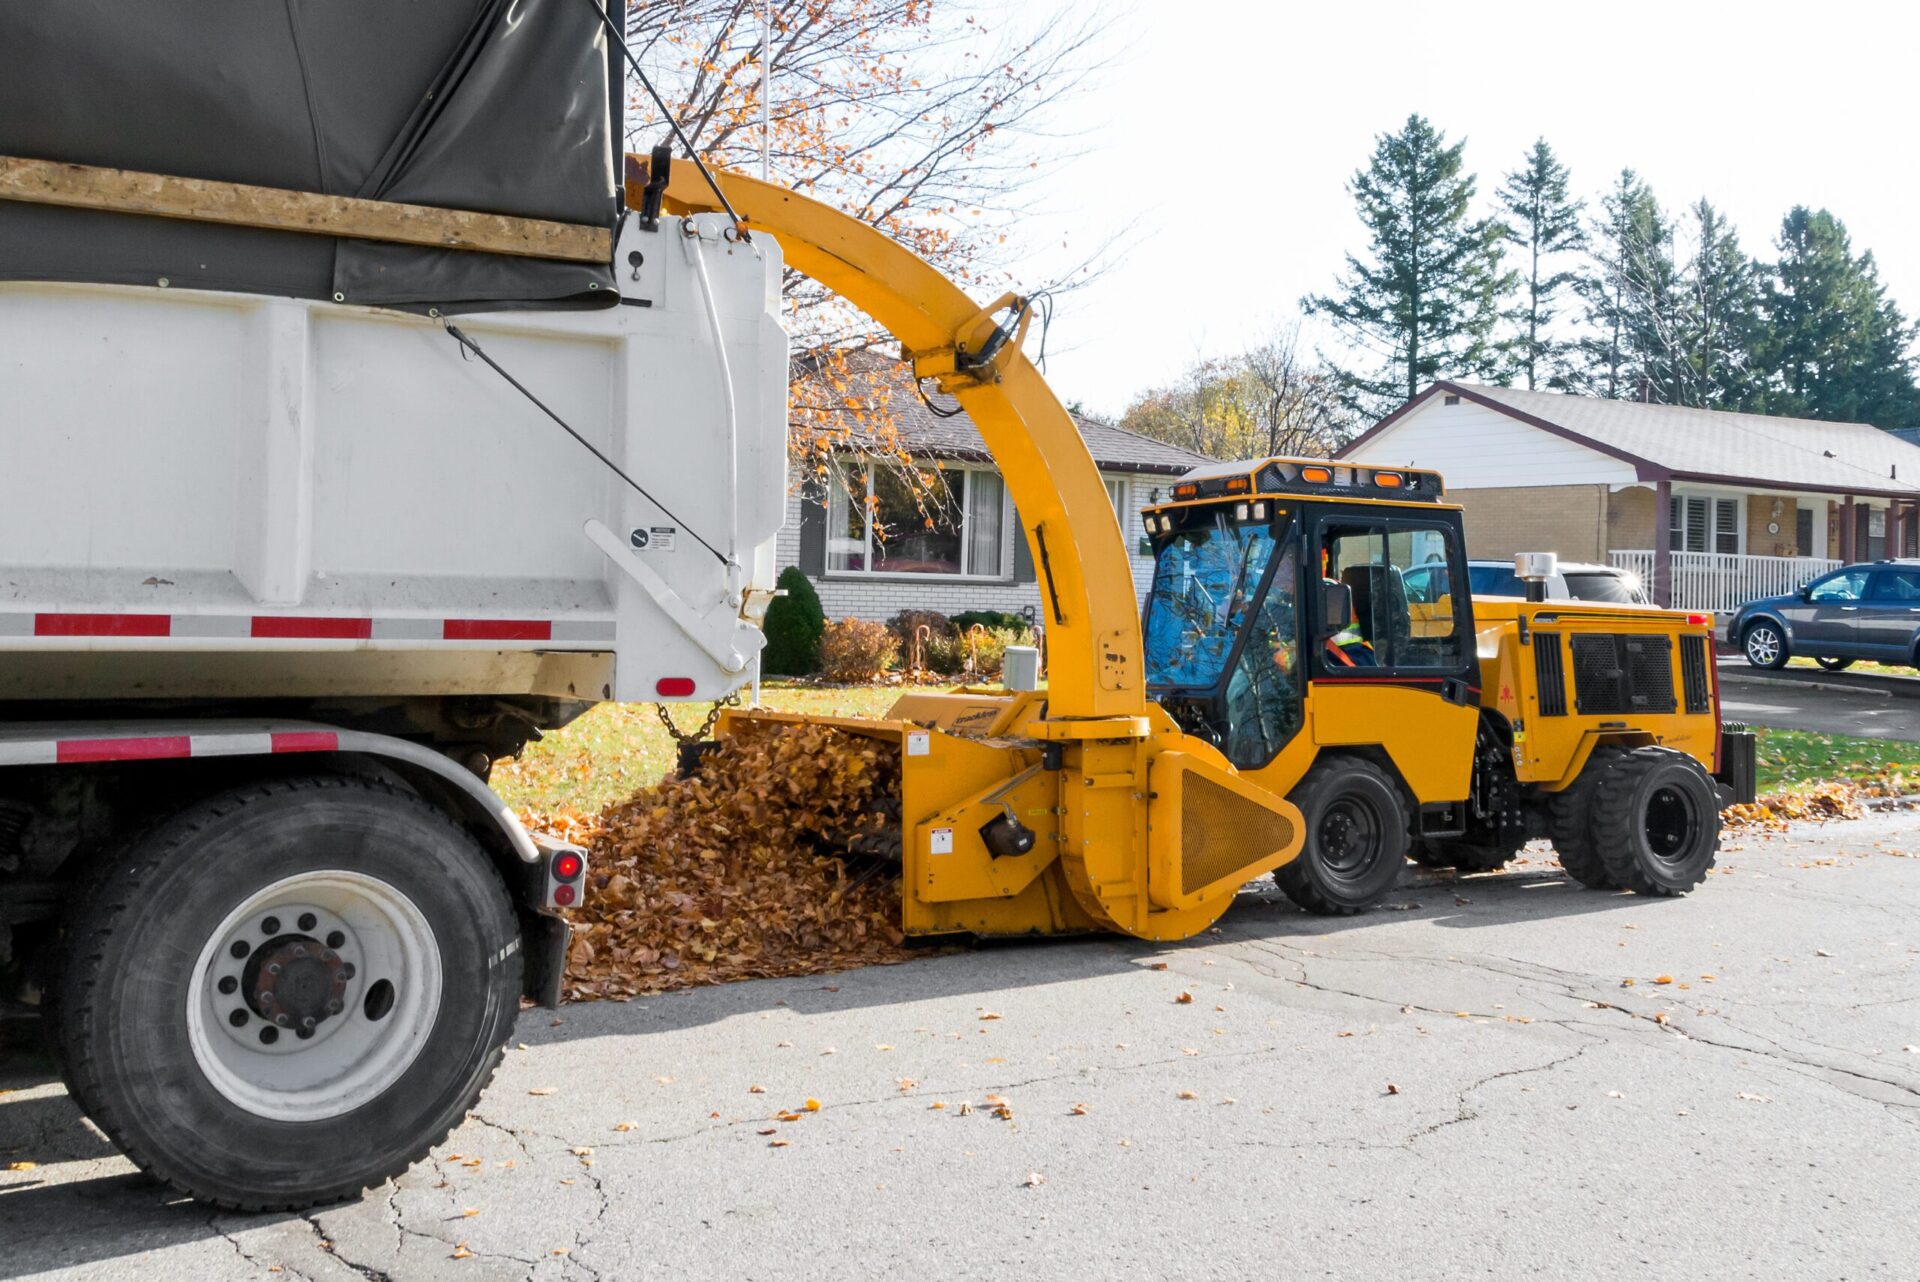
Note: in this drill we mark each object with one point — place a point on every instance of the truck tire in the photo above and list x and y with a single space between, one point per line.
1356 838
1656 821
1570 823
288 992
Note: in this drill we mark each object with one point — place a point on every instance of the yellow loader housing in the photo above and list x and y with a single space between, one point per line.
1310 691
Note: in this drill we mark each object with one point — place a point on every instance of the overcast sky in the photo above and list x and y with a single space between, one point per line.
1226 131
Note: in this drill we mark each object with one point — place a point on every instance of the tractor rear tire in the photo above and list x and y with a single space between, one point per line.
1570 823
1656 820
1356 841
381 980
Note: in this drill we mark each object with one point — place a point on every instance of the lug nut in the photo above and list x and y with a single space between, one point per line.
263 998
273 968
346 971
308 1023
228 984
335 1006
304 1034
335 938
238 1019
240 948
299 950
270 927
285 1021
308 921
269 1035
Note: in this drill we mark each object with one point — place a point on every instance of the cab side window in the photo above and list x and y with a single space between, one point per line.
1404 604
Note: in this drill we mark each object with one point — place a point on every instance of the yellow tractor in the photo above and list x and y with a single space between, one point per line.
1311 692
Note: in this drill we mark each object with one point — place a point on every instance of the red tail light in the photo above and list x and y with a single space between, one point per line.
564 895
1699 620
568 867
673 687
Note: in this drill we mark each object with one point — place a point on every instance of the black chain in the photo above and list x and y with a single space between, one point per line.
706 727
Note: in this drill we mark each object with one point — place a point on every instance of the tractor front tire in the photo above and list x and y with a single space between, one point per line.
1656 820
1570 823
1356 838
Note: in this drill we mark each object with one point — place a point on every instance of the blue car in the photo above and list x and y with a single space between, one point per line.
1869 611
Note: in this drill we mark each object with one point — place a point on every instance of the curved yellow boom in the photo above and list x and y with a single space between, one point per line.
1093 637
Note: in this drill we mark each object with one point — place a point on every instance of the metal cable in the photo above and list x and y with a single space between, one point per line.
468 345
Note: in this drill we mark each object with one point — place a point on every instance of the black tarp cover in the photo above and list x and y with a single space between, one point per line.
493 105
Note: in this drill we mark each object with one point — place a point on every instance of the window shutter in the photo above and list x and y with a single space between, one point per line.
1726 526
1022 554
813 536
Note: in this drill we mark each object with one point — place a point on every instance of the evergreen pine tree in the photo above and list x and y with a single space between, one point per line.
794 625
1425 301
1835 346
1718 323
1629 297
1544 221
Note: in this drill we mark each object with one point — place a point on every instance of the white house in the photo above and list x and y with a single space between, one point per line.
1711 508
975 557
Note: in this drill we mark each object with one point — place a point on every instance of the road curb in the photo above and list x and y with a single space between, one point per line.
1778 683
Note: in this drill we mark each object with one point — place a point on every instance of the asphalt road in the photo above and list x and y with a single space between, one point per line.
1487 1080
1825 705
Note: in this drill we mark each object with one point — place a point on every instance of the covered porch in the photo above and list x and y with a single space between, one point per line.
1714 548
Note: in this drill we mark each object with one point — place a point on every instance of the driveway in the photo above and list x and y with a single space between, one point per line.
1500 1076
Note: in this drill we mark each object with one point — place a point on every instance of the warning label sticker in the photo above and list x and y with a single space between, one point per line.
919 743
940 841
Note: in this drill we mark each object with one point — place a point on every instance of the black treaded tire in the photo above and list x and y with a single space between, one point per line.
1356 838
117 1005
1465 856
1570 822
1833 665
1656 821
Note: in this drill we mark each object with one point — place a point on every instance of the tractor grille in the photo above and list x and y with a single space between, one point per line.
1550 674
1222 832
1695 663
1622 673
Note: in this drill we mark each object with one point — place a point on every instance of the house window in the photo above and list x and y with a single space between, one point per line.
1702 523
1117 495
1876 533
877 524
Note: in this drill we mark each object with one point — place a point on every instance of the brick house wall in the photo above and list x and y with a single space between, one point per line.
880 597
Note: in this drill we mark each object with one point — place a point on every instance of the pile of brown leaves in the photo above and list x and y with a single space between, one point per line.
1839 799
736 872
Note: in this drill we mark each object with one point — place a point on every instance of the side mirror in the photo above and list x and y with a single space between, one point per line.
1806 592
1336 608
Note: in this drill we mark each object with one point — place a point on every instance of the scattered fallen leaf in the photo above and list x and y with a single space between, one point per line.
1156 966
541 1090
625 1126
22 1166
1186 1095
460 1252
1392 1089
1663 979
770 1130
581 1150
1034 1179
1184 999
1078 1110
778 1143
470 1212
1615 1095
813 1105
937 1105
991 1015
1758 1099
756 1090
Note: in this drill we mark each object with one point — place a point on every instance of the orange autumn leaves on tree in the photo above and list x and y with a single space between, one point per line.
926 121
740 871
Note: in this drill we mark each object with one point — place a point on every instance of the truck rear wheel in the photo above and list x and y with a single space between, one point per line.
1656 821
1356 838
289 992
1570 823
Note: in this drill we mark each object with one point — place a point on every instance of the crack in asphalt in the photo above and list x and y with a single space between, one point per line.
239 1249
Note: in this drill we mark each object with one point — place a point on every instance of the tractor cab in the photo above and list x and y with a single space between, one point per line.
1272 574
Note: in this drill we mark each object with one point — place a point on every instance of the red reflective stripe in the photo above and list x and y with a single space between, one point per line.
82 750
286 625
497 630
306 741
673 687
102 625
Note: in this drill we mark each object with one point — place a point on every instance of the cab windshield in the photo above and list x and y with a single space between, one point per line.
1205 580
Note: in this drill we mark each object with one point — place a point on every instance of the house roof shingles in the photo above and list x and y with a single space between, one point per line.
1718 445
1114 449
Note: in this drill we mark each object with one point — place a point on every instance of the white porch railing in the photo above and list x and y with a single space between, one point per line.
1721 582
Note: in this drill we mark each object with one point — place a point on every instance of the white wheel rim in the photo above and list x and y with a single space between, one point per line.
246 1035
1762 645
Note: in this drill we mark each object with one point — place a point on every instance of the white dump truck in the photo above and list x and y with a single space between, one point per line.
349 439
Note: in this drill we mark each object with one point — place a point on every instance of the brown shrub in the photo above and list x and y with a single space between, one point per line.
854 651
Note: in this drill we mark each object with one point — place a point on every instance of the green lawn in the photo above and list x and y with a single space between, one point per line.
1789 758
1859 665
619 748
